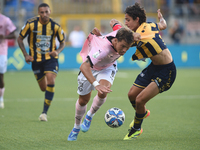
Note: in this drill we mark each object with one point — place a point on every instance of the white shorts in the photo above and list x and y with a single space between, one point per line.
3 64
84 86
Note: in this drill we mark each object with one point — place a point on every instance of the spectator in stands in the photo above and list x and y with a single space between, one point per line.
176 31
165 7
186 7
77 37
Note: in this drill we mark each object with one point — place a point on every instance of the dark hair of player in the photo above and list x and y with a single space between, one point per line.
135 11
43 5
125 34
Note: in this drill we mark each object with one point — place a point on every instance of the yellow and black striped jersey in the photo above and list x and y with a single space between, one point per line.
151 42
41 37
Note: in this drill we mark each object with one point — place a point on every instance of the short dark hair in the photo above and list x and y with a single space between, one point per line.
135 11
43 5
125 34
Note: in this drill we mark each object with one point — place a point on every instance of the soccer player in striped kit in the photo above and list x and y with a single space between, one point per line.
156 78
42 32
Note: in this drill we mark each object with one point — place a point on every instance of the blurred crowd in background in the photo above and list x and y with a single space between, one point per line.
182 16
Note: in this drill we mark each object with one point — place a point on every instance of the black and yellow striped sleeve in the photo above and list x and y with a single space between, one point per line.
25 30
60 34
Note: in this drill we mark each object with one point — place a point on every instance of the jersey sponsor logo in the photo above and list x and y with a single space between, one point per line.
44 43
95 55
42 52
43 37
36 31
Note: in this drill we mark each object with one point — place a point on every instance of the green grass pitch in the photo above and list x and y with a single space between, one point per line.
174 123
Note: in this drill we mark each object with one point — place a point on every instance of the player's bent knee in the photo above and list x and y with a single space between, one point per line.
102 95
83 102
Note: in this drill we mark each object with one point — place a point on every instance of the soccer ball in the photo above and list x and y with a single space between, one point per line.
114 117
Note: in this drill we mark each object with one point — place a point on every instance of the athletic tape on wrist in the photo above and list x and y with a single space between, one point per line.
95 83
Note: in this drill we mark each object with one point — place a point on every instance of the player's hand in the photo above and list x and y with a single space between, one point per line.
113 21
159 14
162 25
53 53
136 36
103 89
28 59
96 32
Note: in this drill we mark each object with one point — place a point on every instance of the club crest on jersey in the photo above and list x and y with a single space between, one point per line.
51 32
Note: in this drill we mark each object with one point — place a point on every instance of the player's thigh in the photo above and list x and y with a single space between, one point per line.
148 93
50 78
84 86
51 70
51 66
134 91
38 71
107 74
42 83
105 83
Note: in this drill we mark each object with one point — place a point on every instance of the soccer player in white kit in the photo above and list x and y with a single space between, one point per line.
98 70
7 31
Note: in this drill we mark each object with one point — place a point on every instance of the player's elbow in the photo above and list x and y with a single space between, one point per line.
19 39
82 67
85 66
164 26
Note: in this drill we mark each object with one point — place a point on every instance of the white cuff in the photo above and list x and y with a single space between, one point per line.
95 83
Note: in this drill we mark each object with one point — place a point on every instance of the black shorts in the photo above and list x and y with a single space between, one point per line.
41 68
162 75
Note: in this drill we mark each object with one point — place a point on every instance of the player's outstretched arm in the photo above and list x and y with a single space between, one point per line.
86 70
162 24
